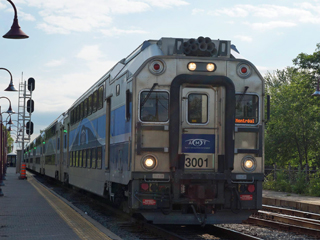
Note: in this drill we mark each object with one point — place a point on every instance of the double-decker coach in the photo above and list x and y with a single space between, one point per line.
174 131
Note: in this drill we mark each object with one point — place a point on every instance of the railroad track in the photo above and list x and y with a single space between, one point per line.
136 227
286 219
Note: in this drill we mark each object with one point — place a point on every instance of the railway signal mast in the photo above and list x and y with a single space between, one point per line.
25 109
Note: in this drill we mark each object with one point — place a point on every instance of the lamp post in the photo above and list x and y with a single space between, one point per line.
15 32
2 146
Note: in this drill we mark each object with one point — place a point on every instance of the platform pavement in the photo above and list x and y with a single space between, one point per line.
28 211
297 201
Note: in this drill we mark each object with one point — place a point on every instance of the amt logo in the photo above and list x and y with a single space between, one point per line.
197 142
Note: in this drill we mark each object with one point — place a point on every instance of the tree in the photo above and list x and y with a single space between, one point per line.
292 132
309 62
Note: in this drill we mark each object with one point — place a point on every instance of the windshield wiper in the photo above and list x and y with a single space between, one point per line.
242 94
149 93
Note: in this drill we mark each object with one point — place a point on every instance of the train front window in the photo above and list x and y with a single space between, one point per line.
197 108
247 109
154 106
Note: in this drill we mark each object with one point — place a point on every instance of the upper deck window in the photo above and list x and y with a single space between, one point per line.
154 106
197 108
247 109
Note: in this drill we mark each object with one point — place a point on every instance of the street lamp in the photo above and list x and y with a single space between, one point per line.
10 88
3 142
15 32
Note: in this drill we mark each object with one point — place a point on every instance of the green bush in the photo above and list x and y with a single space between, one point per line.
269 183
300 185
314 186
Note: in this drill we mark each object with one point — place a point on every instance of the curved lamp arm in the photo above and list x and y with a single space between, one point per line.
15 32
9 109
10 88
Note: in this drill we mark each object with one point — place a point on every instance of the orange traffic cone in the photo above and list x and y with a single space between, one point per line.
23 172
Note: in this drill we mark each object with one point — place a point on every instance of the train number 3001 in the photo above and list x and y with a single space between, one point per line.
196 162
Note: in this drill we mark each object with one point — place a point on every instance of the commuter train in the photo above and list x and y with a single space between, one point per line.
174 132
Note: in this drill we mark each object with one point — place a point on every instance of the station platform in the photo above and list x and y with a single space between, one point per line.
291 200
28 210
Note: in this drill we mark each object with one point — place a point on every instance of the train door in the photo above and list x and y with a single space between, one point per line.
198 128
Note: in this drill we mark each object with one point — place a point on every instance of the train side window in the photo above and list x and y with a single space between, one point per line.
65 141
95 101
88 158
77 158
90 104
84 158
118 90
99 157
247 109
154 106
72 115
80 159
74 159
71 159
128 100
81 111
93 157
197 108
100 100
58 144
85 107
76 114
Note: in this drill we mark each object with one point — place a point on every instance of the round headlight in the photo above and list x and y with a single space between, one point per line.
248 163
192 66
210 67
149 162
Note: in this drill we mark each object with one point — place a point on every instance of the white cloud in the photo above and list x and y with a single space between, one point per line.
167 3
55 63
64 17
118 32
197 11
282 16
243 38
271 25
90 53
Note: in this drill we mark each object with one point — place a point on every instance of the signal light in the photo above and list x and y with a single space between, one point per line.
31 84
243 70
30 106
251 188
157 67
29 128
144 186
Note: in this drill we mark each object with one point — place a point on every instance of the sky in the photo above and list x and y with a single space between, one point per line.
73 43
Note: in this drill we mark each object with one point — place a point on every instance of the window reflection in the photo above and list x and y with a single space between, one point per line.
154 106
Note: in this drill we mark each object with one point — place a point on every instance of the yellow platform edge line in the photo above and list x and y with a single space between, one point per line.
75 221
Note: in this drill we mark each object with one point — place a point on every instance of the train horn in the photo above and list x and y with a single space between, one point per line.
200 47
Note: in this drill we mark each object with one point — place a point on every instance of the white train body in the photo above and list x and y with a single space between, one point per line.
174 131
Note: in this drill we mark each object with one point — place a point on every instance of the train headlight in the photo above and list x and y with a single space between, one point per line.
149 162
192 66
210 67
248 163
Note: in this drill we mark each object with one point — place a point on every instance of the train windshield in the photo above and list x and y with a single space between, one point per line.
247 109
154 106
197 108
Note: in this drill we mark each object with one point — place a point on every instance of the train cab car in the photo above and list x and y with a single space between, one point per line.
174 131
